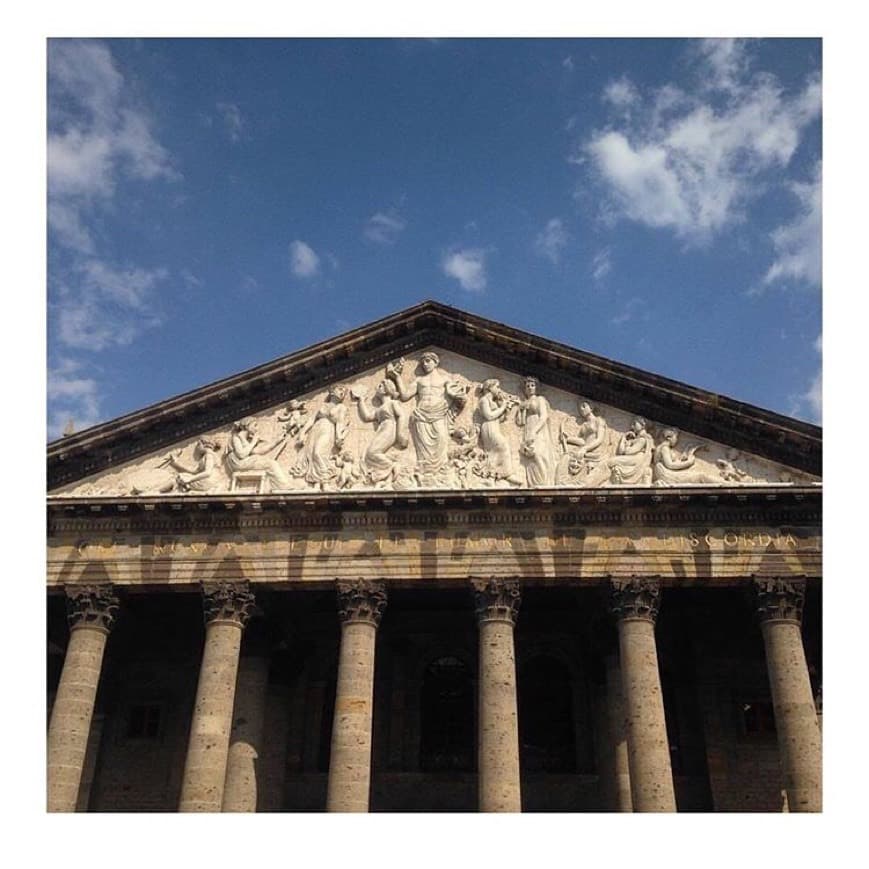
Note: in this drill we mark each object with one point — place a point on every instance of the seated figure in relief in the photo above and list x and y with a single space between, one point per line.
320 438
493 408
391 430
674 469
247 452
204 477
582 465
537 448
632 463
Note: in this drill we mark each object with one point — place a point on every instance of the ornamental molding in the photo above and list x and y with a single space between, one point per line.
497 600
227 602
361 600
778 599
91 606
636 598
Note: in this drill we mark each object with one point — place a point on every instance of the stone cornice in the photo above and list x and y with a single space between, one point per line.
743 426
762 505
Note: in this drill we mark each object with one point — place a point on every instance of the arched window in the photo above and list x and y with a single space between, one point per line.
447 719
547 740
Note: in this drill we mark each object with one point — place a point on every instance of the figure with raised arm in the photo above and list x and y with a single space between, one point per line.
320 438
391 429
438 400
493 408
247 452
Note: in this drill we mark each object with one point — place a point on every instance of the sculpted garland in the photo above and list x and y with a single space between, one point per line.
429 430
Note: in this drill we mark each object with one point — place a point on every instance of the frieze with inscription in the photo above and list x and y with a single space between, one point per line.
438 421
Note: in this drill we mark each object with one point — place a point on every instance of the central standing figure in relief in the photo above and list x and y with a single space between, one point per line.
438 401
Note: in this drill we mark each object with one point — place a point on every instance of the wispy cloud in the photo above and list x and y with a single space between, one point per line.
798 243
72 397
551 240
809 404
384 227
304 262
99 138
468 267
233 122
627 312
601 264
691 161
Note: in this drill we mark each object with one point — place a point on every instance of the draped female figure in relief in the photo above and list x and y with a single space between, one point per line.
247 453
438 400
319 439
537 447
391 430
493 407
632 463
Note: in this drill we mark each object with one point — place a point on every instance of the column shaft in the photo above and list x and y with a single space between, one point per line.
361 605
651 774
799 737
227 609
245 745
71 716
498 748
497 604
91 612
619 789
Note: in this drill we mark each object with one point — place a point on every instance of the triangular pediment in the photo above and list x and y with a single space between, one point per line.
372 410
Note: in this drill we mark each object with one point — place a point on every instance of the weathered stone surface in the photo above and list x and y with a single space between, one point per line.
779 610
226 608
91 612
360 608
497 605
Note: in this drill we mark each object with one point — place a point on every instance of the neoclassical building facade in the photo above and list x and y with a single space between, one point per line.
436 564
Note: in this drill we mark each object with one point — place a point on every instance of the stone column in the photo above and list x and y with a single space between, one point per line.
497 604
634 604
360 607
91 612
242 784
779 608
227 607
619 788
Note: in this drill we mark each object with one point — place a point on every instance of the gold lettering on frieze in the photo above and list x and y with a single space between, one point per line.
297 542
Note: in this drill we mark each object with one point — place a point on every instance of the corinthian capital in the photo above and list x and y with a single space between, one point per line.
777 599
91 606
227 602
636 598
361 600
497 600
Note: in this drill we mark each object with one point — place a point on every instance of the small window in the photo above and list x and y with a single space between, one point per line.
144 721
757 718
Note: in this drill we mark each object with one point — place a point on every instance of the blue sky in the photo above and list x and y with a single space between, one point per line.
215 203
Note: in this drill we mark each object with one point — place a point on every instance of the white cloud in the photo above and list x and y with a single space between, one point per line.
384 228
798 243
627 312
809 404
601 264
232 120
551 240
690 162
468 267
304 262
621 93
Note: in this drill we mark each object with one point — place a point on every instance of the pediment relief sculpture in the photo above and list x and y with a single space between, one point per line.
440 421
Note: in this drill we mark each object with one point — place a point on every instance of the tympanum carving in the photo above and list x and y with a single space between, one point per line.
439 421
